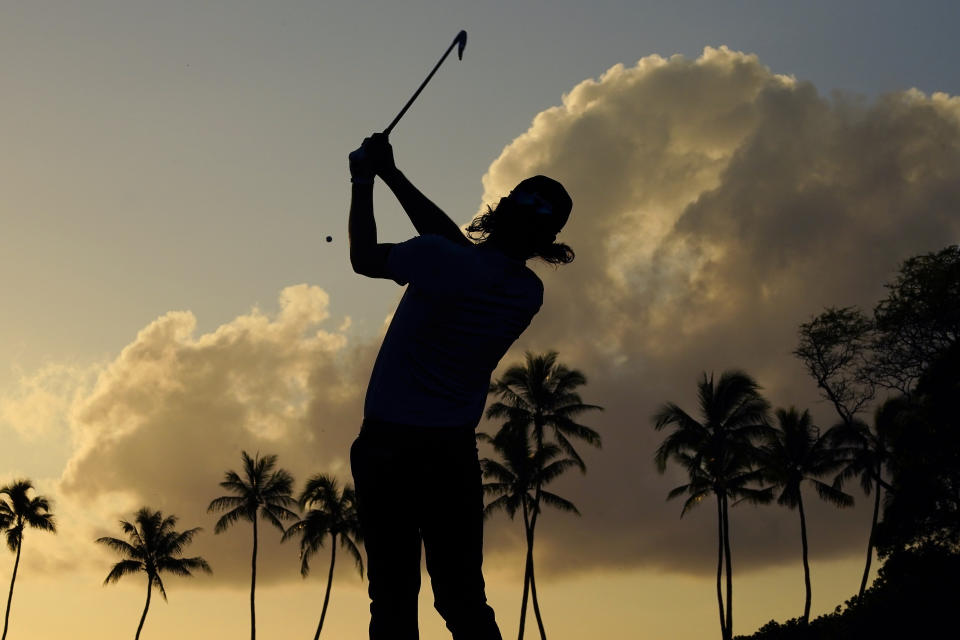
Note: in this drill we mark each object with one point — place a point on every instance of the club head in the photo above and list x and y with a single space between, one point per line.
461 40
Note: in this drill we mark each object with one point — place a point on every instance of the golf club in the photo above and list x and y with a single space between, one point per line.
460 40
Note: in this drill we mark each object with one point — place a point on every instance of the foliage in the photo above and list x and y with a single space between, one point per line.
519 472
18 511
834 348
850 354
260 491
919 320
796 453
153 547
914 596
331 513
539 395
925 462
720 456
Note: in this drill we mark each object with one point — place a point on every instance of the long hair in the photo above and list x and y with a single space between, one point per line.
485 223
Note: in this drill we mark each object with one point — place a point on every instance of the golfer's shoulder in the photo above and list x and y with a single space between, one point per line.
434 244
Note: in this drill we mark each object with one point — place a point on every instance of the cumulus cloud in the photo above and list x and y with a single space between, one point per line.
717 206
172 413
38 405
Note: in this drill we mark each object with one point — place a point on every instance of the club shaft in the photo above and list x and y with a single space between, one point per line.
419 89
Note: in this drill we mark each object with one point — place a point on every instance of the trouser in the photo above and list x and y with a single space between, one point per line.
418 484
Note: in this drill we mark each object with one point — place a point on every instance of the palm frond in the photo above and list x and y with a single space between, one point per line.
123 568
555 501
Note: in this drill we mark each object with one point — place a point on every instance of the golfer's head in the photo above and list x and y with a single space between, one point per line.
533 214
528 219
542 203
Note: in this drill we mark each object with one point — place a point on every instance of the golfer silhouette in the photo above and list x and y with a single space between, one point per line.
415 465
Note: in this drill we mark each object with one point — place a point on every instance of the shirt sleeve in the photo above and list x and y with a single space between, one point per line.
429 262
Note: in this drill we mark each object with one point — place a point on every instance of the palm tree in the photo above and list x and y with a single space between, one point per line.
538 394
518 483
153 546
262 492
719 457
795 452
17 512
542 393
328 512
866 451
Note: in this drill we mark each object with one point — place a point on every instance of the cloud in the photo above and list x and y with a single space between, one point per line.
38 407
172 413
717 205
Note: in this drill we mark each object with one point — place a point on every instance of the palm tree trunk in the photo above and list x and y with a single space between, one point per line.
726 552
870 541
145 607
526 569
723 624
326 597
533 582
16 563
538 429
253 583
536 604
806 563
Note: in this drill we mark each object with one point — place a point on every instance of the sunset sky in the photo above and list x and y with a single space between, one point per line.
169 171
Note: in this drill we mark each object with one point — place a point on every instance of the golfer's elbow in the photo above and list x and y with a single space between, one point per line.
370 261
360 262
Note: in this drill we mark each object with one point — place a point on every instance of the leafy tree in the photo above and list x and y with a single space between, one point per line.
919 320
835 349
796 453
719 456
924 463
259 492
328 512
17 512
153 547
517 484
850 356
540 397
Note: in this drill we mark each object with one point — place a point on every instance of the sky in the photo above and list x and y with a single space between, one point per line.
170 170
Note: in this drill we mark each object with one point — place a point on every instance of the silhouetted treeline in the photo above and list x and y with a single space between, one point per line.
910 347
914 597
733 451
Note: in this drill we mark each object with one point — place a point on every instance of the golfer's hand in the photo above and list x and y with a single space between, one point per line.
361 168
380 151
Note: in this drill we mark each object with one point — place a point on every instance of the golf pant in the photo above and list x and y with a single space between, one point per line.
422 484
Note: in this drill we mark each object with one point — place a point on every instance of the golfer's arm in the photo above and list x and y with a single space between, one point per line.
367 257
425 216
